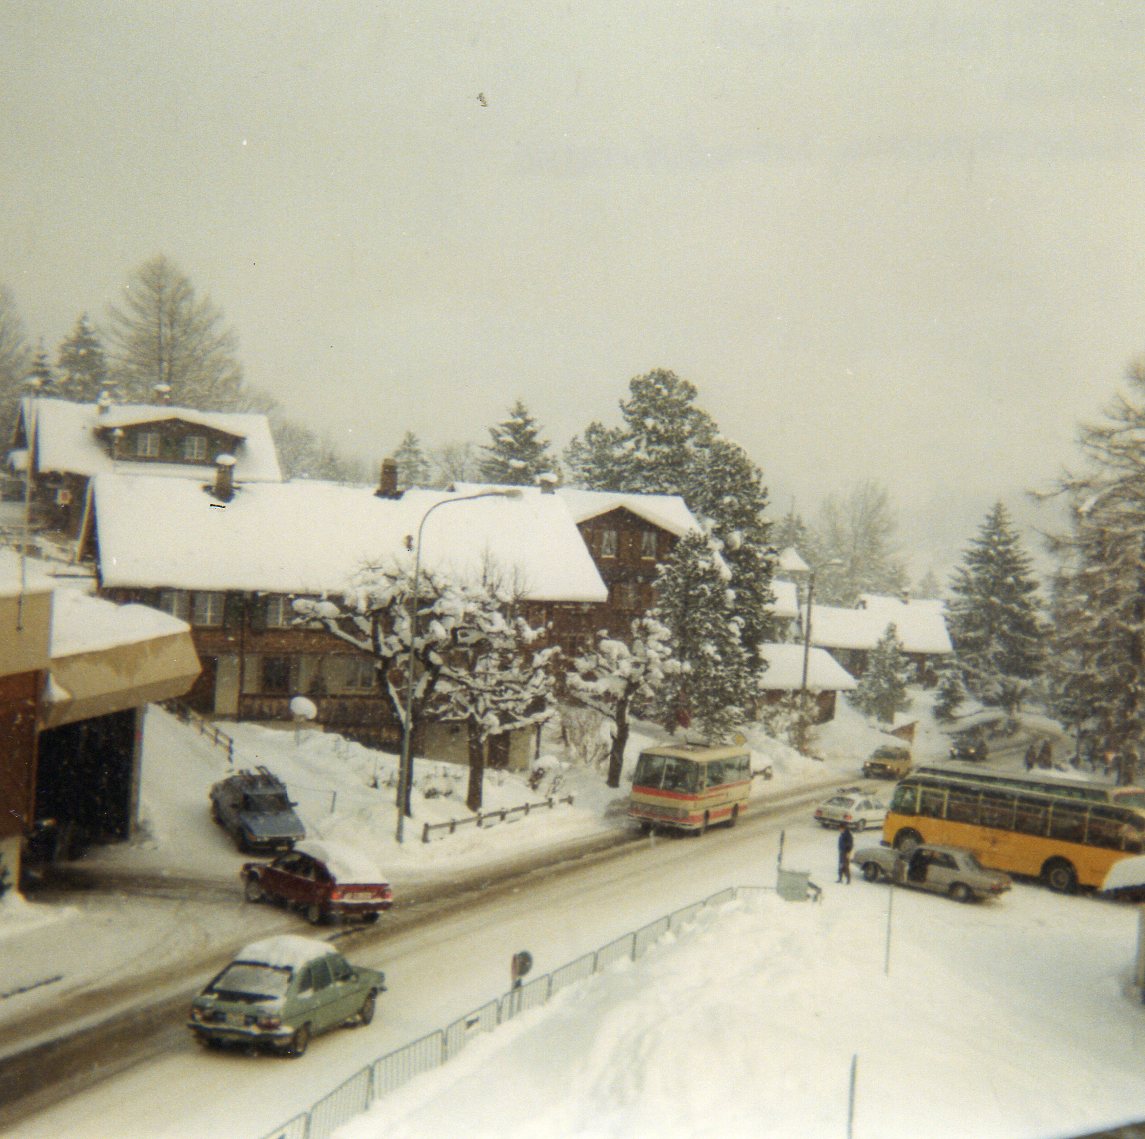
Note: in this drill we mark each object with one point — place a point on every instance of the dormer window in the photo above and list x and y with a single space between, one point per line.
195 448
147 445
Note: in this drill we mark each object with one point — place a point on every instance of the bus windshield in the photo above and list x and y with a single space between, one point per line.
667 773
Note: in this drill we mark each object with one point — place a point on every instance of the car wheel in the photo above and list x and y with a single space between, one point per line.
366 1012
871 871
299 1042
314 913
253 890
371 917
907 840
1060 876
960 892
215 813
860 824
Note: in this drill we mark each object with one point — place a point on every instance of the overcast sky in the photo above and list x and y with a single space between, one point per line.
900 241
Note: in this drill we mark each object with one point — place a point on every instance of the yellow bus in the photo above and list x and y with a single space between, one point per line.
688 788
1016 825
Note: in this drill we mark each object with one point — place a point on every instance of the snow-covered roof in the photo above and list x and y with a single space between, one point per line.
784 672
790 562
668 511
920 626
786 599
311 537
285 951
348 864
66 438
84 624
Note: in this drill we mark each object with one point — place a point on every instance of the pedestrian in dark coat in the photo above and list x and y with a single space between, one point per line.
846 845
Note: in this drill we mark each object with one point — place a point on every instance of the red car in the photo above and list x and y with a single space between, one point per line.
321 879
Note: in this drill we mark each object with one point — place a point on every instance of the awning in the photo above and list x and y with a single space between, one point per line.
111 679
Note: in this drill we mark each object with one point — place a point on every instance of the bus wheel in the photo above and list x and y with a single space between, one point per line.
735 816
1060 876
704 825
906 840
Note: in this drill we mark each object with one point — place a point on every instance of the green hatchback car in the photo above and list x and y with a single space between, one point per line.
279 992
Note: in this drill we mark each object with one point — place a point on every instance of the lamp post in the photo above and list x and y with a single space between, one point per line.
405 765
807 655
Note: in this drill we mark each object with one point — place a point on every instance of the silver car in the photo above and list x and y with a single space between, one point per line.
949 870
851 807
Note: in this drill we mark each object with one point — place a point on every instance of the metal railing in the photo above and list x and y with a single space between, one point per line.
188 716
392 1071
483 818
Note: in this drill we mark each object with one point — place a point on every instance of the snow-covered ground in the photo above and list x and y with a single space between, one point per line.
1013 1018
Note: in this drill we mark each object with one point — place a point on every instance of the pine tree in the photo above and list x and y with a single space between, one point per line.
413 466
517 454
41 378
713 685
994 617
1099 643
616 674
165 334
82 364
949 694
882 689
596 460
14 361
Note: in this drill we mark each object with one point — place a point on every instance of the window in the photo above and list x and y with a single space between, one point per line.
648 544
1105 828
933 802
608 543
1031 816
321 973
278 612
207 609
275 675
904 799
147 445
352 673
177 602
195 448
340 967
626 595
1067 822
997 809
962 805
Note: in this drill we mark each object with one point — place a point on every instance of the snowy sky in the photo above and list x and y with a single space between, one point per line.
884 239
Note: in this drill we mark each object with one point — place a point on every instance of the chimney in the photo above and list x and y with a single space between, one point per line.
548 482
104 403
388 480
162 393
224 488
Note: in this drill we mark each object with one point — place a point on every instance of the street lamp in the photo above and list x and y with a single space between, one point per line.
405 765
807 653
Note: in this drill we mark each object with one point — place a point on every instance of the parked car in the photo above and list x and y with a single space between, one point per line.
949 870
279 992
254 808
888 762
321 879
969 747
851 807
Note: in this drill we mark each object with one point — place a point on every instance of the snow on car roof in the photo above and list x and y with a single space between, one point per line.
346 863
285 951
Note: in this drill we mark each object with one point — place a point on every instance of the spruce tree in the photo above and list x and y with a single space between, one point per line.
994 617
413 466
882 689
1099 643
41 378
595 461
713 685
83 374
517 454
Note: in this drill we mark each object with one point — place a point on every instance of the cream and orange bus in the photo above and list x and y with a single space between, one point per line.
688 787
1022 826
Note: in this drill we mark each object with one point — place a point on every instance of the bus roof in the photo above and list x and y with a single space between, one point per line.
1013 778
700 753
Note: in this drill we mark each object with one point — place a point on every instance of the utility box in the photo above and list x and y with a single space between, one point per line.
793 885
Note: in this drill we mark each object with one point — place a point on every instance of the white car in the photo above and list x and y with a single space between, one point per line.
851 808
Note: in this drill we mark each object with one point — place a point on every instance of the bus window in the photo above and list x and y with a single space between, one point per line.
997 809
1031 815
680 775
962 805
905 799
1105 828
1067 822
932 802
716 773
1133 797
650 770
